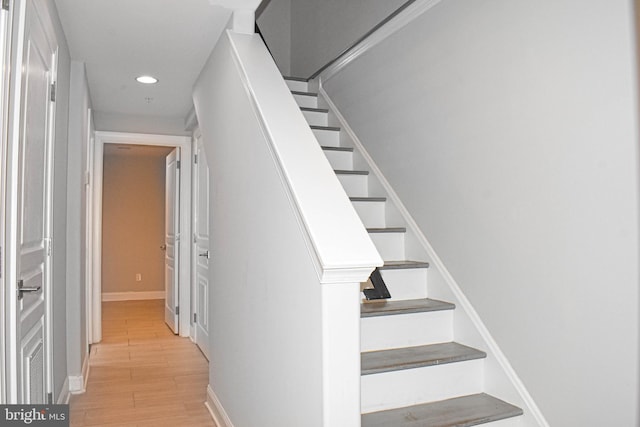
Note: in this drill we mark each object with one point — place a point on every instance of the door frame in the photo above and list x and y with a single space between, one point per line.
5 61
94 310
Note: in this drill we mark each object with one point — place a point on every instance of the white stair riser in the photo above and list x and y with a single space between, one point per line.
406 283
509 422
371 213
306 101
406 330
354 185
340 160
316 118
414 386
327 138
389 245
297 86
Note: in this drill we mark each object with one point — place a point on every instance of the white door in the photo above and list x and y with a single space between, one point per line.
172 239
33 214
201 246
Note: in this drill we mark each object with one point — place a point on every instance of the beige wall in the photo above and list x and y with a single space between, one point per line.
133 223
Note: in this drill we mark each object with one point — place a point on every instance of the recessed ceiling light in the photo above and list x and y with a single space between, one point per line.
148 80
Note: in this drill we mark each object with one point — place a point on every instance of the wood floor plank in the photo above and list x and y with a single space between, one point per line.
141 374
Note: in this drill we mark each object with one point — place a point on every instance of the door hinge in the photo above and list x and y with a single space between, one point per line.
0 261
178 164
195 158
177 310
53 92
5 4
48 246
50 398
195 318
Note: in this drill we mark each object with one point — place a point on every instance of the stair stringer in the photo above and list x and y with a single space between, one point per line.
501 380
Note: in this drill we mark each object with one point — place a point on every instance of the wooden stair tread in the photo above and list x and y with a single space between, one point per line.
387 230
327 148
297 92
393 265
368 199
465 411
375 362
332 128
391 307
315 110
347 172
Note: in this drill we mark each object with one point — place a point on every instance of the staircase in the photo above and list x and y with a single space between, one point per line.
413 372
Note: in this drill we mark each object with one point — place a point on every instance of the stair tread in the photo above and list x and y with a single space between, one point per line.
296 79
332 128
397 359
462 411
387 230
297 92
391 307
328 148
348 172
315 110
396 265
368 199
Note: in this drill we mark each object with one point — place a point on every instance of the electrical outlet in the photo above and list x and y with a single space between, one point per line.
138 277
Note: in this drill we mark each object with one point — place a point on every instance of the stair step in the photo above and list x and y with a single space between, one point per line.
296 79
331 128
347 172
296 83
375 362
462 411
391 307
347 149
397 265
387 230
368 199
314 110
301 93
326 137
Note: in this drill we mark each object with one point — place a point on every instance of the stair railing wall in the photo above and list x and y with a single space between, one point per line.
288 252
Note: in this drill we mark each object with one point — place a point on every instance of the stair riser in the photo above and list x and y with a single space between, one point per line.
410 283
327 138
406 330
340 160
306 101
297 86
509 422
316 118
389 245
371 213
354 185
413 386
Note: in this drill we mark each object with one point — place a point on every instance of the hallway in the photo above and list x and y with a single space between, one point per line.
141 374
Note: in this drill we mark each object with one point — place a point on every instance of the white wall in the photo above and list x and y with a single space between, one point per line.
265 373
79 130
274 20
509 130
320 30
116 122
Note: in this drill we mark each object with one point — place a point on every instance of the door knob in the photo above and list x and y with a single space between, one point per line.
163 247
22 289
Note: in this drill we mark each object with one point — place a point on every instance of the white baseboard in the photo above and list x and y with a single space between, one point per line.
65 395
216 410
78 383
130 296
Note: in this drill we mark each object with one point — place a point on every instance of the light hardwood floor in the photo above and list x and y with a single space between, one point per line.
141 374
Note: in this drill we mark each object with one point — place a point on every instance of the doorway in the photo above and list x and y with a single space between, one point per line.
108 140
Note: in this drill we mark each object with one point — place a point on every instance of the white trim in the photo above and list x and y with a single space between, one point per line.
132 296
437 263
395 24
65 395
78 383
95 251
216 410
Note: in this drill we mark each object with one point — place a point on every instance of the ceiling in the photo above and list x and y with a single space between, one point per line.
121 39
